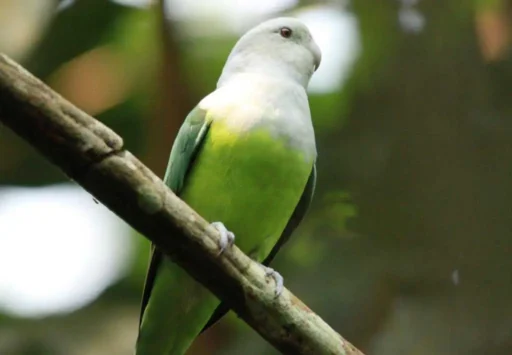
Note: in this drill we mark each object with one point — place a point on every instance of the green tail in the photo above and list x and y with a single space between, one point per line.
178 310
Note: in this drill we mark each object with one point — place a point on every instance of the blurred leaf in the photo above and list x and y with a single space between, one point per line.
74 30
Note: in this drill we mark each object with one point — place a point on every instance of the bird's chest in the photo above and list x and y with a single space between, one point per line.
250 181
265 126
263 153
246 110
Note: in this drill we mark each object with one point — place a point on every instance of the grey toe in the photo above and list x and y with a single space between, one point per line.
227 238
269 272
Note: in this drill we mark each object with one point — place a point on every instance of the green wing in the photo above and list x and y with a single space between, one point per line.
184 150
297 216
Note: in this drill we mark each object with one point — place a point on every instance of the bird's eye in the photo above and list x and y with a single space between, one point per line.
285 32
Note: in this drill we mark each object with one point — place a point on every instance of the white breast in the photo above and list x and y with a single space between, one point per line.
249 101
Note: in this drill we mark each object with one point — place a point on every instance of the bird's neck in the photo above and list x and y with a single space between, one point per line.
264 68
263 88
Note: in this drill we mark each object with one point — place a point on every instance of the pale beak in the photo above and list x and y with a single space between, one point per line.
317 53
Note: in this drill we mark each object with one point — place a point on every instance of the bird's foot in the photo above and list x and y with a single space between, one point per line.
269 272
227 238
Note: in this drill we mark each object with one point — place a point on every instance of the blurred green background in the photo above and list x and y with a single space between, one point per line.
407 247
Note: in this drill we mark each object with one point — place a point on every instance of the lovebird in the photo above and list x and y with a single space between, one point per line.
244 159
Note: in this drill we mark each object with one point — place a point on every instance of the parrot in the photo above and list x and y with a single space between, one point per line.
245 160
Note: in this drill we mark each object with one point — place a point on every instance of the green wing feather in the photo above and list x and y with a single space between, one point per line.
297 216
184 150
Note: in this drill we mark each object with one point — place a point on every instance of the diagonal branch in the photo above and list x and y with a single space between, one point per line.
93 156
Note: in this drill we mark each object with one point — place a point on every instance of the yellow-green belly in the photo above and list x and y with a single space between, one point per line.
250 182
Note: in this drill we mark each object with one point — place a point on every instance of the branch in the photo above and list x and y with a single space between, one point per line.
93 156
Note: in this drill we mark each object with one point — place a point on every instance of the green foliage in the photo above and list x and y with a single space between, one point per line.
73 31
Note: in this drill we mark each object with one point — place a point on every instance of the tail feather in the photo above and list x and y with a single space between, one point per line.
177 311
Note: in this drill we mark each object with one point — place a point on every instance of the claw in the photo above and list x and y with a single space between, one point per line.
227 238
269 272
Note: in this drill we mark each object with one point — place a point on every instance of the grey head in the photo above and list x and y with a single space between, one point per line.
282 48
